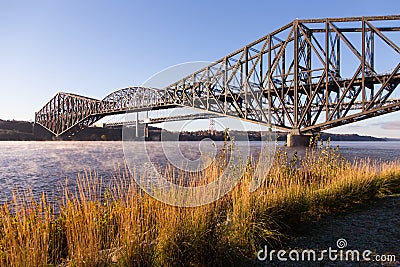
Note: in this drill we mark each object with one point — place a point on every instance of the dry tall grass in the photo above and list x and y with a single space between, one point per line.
122 226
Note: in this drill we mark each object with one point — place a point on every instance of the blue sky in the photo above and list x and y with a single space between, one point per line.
95 47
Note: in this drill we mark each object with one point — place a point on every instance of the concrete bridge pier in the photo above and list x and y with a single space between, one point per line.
146 130
137 125
297 139
146 126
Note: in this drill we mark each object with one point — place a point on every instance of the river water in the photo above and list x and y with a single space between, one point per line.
44 166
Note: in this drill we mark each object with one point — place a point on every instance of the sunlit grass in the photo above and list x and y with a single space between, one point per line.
122 226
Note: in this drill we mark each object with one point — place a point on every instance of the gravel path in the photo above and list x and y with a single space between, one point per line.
374 227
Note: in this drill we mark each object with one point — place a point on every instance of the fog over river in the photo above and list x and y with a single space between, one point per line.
44 166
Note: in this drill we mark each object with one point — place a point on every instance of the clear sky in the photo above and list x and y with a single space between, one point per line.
93 47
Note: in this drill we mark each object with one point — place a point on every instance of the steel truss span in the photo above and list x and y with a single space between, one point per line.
308 76
67 114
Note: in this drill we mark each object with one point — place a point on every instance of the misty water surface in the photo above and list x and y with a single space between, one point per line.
44 166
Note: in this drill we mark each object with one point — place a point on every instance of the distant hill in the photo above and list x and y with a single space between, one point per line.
349 137
340 137
392 139
16 130
25 131
20 126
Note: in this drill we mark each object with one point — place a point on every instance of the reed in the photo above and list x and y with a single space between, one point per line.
123 226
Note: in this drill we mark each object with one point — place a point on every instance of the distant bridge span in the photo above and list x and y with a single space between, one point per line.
308 76
162 119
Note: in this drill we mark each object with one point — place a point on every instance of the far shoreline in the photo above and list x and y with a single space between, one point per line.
12 130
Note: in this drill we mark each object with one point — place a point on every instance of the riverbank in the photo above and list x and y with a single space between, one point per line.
123 226
373 226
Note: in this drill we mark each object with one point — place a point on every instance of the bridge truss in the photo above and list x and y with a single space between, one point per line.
307 76
67 114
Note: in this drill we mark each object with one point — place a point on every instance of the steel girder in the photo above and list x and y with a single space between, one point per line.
66 114
198 116
135 99
307 76
292 78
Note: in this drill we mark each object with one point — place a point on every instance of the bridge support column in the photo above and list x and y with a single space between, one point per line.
146 130
298 140
137 125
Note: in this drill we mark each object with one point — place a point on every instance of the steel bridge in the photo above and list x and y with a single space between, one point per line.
161 119
309 75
